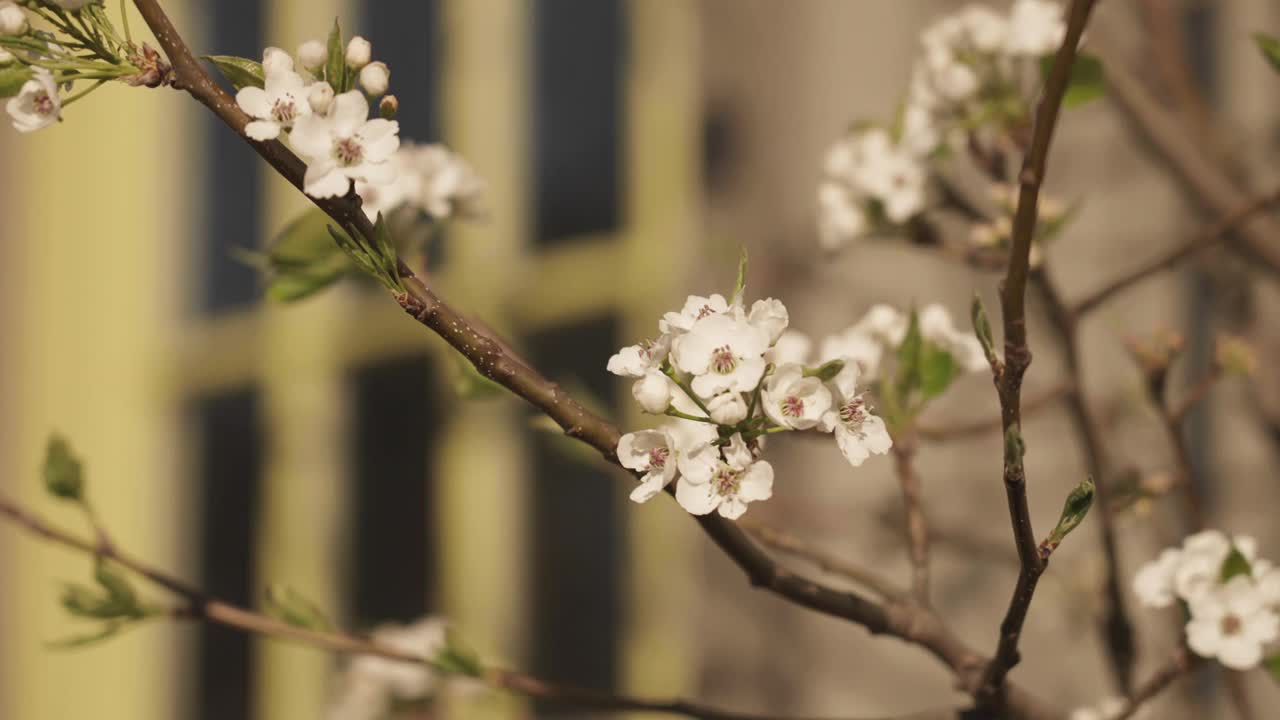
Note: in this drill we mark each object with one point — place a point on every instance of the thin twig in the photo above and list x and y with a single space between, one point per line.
824 561
916 525
938 432
1211 236
202 607
1018 356
1177 666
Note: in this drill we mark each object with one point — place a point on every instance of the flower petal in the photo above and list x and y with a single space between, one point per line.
262 130
254 101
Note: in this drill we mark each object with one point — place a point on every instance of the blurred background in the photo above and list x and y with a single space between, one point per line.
630 148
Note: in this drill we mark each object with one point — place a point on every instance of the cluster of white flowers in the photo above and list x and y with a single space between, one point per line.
1233 611
334 134
973 60
430 179
883 329
370 685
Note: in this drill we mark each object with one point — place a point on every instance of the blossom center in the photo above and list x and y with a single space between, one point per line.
43 104
1231 625
704 311
349 151
658 457
854 412
284 111
722 360
792 406
727 481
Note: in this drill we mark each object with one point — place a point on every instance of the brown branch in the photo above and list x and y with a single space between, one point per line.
1177 666
826 562
1211 236
916 525
937 432
1018 356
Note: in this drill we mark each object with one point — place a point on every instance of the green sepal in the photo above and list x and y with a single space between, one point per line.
1235 564
826 371
13 77
740 284
240 72
63 472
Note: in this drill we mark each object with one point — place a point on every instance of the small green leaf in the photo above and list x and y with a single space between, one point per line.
12 78
63 473
740 285
826 371
1073 512
82 601
982 328
285 603
106 632
937 370
1235 564
336 70
1088 79
1270 47
1273 666
454 659
389 260
120 595
240 72
301 260
910 354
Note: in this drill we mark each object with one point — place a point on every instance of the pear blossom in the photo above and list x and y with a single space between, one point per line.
654 391
771 316
278 105
1202 557
792 346
375 78
320 97
727 408
1109 709
344 146
695 308
1232 622
723 479
1153 583
653 453
859 434
13 21
370 684
448 186
359 53
313 54
891 174
936 327
857 345
986 29
1036 28
794 401
722 352
841 218
637 360
37 105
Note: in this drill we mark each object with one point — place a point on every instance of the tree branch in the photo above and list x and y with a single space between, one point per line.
1177 666
917 526
826 562
1018 355
937 432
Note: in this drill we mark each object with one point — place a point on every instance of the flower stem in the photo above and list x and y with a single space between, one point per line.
671 373
672 412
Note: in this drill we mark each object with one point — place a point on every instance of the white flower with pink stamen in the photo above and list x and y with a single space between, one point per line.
345 146
794 401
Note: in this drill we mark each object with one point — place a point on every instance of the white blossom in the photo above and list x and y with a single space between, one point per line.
1202 557
636 360
375 78
359 53
724 480
857 345
447 186
727 408
1232 622
654 391
794 401
792 346
987 30
695 308
370 684
937 328
320 97
771 316
723 352
1153 583
276 60
37 105
313 54
13 21
652 453
890 174
859 434
841 218
279 105
345 145
1036 28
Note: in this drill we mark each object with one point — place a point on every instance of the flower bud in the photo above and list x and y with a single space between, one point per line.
375 78
13 21
653 393
320 97
389 107
359 53
276 60
728 408
312 54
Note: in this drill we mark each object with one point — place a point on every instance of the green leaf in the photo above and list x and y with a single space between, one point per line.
389 260
1073 513
12 78
285 603
937 370
982 328
1273 666
106 632
240 72
301 260
910 354
1235 564
740 285
336 70
63 473
826 371
1270 47
1088 79
454 659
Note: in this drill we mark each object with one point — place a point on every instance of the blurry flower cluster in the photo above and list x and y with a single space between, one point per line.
370 686
977 74
1231 596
